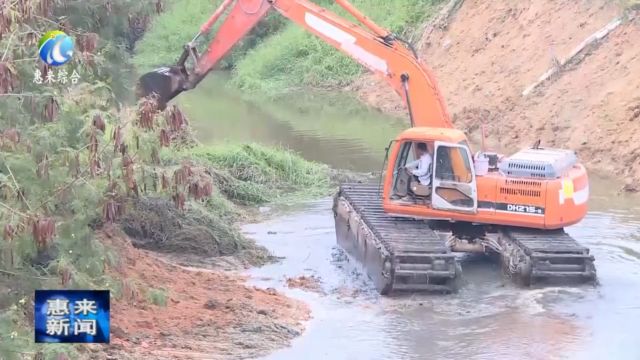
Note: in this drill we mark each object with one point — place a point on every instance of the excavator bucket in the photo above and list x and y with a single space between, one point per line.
165 82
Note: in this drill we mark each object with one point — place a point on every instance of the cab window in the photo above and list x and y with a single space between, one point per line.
453 164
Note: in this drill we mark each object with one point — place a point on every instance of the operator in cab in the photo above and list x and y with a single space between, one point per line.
421 168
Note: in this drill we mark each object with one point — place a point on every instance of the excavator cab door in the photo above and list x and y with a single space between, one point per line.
454 179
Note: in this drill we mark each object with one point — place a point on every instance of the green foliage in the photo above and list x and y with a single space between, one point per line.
255 174
222 208
630 5
34 188
112 27
14 339
163 42
293 58
158 297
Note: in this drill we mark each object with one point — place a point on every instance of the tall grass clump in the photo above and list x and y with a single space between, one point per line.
255 174
293 58
168 32
631 4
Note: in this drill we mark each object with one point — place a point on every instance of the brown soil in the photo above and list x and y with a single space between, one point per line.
208 314
309 283
492 51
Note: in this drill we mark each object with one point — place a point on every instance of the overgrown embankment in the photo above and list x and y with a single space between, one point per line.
279 57
243 176
163 41
78 158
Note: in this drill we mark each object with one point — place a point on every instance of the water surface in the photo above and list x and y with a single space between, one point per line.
488 319
333 129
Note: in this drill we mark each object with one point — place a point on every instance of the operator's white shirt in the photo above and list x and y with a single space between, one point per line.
422 169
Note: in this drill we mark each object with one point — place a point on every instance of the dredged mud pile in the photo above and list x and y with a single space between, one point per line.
198 314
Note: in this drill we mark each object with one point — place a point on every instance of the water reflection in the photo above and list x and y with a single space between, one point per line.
335 130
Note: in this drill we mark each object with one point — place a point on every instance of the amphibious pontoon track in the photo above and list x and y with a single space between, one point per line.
397 253
407 254
539 255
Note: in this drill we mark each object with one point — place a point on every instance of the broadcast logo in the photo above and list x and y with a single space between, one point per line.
72 316
55 48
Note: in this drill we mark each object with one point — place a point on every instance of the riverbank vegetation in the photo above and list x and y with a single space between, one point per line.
293 58
78 159
279 56
169 32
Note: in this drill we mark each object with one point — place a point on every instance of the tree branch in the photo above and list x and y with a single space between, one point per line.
23 94
25 275
18 188
13 210
6 50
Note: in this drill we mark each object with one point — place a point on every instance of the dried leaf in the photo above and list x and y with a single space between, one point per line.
9 232
165 138
51 109
8 78
98 122
42 172
43 231
117 138
65 275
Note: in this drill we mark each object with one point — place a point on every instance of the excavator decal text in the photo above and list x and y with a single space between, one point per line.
347 43
527 209
512 208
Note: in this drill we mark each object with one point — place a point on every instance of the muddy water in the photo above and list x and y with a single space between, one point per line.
488 319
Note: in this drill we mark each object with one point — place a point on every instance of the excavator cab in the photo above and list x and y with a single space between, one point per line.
453 180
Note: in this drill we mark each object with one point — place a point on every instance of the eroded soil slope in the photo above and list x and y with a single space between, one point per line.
201 314
491 51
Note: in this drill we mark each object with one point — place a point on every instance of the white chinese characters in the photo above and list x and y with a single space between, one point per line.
61 77
57 307
85 307
84 326
58 327
60 313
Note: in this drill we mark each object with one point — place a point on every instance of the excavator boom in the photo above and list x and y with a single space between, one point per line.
372 46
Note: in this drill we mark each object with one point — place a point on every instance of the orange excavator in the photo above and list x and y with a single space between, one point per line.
406 232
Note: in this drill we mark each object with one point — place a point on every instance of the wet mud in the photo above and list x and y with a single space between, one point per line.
168 311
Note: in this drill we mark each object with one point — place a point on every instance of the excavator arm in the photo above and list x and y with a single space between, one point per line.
372 46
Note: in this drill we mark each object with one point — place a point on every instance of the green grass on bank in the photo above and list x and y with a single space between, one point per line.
293 58
253 174
277 56
163 42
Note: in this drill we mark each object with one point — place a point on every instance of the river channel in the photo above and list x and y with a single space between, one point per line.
489 318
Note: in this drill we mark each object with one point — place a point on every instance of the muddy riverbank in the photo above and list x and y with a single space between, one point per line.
167 311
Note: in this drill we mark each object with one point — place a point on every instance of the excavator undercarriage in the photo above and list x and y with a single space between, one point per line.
405 254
